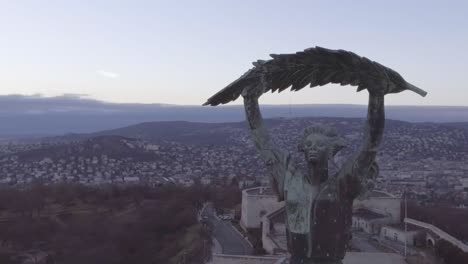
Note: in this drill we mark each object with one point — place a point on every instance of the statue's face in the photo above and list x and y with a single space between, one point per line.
316 148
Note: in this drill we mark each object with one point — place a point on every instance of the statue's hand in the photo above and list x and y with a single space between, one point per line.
378 89
252 92
383 87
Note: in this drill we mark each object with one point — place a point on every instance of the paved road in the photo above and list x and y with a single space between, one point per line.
231 242
361 242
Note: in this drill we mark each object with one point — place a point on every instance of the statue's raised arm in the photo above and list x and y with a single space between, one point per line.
276 160
361 169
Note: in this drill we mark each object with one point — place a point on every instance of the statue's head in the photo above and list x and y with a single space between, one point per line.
320 143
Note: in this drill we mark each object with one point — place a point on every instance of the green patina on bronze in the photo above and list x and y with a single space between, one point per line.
318 205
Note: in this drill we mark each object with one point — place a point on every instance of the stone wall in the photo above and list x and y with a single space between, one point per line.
399 235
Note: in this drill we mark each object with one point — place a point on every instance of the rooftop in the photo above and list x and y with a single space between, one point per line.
401 226
367 214
263 190
381 194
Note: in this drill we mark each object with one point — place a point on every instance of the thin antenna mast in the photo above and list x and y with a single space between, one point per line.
406 224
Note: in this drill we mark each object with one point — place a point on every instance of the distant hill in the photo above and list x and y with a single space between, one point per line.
463 125
180 131
112 146
402 139
35 115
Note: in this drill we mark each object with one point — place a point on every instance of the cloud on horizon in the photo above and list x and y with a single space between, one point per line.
108 74
69 102
39 104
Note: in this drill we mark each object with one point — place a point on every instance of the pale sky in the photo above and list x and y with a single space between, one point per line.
182 52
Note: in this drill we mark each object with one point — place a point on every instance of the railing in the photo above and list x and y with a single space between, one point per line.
439 232
223 259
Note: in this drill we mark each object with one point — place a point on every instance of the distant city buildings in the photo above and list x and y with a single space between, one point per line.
428 161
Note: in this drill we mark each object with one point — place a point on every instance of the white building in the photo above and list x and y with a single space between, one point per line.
396 232
369 221
246 183
382 203
377 210
256 203
205 180
131 179
186 182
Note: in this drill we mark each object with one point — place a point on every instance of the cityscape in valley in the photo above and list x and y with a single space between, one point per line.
427 159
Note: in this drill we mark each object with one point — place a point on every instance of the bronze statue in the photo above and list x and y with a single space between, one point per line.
318 205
